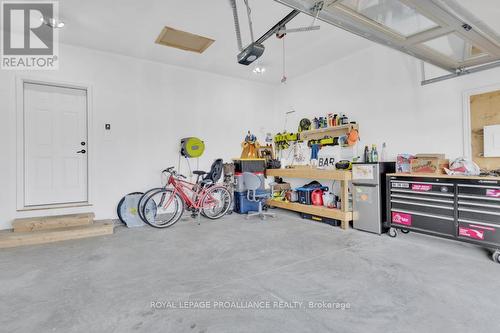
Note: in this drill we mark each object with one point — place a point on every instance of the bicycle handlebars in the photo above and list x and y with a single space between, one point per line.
171 170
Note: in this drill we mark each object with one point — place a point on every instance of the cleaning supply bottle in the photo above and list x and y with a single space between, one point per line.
316 123
335 120
341 119
374 154
344 120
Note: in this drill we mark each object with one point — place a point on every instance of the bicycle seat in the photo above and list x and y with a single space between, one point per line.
212 176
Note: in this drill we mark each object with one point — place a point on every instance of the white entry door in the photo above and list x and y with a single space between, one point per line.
55 145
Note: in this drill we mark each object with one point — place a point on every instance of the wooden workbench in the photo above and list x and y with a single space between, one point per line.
344 214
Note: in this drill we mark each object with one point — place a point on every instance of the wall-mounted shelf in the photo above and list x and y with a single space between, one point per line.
334 131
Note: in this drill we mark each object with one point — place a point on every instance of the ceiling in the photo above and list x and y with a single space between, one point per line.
130 27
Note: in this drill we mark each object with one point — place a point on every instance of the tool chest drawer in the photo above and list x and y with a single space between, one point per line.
424 207
440 189
423 197
426 222
479 212
484 192
483 233
479 202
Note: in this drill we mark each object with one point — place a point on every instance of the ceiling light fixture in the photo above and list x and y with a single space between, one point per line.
52 22
259 69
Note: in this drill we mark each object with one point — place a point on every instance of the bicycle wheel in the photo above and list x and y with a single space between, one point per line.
163 208
125 209
142 201
216 202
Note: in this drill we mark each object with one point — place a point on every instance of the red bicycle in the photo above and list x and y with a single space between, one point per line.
163 207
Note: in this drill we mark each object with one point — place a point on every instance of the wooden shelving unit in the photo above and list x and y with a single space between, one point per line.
332 213
320 133
343 214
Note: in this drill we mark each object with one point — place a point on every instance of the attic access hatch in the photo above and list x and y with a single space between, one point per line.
444 33
183 40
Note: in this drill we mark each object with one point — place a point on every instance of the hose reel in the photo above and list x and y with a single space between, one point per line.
192 147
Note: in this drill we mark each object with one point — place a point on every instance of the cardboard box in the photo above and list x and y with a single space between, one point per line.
429 165
281 187
403 163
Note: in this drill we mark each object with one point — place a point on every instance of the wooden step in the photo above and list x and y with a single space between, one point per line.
13 239
52 222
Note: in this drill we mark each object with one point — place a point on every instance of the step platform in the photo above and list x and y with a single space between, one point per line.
51 229
52 222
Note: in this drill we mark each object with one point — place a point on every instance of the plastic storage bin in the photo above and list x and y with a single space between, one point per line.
304 194
250 165
238 181
242 205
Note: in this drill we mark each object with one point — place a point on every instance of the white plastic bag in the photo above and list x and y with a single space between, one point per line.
463 167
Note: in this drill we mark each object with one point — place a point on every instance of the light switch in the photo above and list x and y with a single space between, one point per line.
107 132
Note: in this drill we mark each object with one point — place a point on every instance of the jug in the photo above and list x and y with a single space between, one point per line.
328 200
317 197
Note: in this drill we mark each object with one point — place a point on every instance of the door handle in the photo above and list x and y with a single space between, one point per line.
83 151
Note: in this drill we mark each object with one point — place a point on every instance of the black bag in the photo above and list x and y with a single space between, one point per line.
315 184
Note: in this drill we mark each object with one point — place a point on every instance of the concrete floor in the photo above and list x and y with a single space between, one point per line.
413 283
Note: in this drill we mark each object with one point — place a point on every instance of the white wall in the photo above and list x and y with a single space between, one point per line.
150 106
380 88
